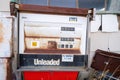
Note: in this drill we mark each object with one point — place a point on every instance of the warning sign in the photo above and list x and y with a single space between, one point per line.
35 44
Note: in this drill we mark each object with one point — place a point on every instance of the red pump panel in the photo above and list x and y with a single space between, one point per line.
64 76
28 75
61 75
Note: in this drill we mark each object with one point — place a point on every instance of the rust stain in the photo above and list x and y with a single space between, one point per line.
1 32
9 70
40 37
53 10
47 37
60 51
52 45
50 42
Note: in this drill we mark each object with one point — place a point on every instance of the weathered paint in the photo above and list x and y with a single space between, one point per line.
67 36
5 69
41 36
9 69
43 43
5 36
45 29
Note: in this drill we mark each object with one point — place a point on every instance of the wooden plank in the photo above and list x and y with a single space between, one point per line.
52 10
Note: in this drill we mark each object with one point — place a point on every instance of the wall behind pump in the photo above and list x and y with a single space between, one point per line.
6 30
4 5
5 63
108 41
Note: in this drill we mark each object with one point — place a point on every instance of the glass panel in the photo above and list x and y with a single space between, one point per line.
35 2
98 4
63 3
114 5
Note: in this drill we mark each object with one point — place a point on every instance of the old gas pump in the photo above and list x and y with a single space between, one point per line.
52 41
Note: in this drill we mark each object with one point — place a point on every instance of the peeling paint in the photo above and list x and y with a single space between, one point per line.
5 69
9 69
36 33
5 36
50 45
50 37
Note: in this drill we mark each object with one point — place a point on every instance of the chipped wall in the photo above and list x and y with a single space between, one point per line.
3 70
107 39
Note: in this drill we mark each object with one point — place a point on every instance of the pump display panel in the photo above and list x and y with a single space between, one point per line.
52 34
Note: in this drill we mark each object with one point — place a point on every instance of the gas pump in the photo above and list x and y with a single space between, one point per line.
52 41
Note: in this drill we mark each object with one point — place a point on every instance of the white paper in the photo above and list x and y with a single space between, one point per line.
96 23
109 23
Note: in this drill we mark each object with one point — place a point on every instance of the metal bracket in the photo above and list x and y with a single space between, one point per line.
13 8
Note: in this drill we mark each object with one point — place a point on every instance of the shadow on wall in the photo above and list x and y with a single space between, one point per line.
119 21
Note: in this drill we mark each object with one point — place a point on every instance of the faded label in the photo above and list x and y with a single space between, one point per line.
46 62
67 58
73 19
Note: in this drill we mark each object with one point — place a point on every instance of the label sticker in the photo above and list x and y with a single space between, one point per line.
67 57
34 43
73 19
